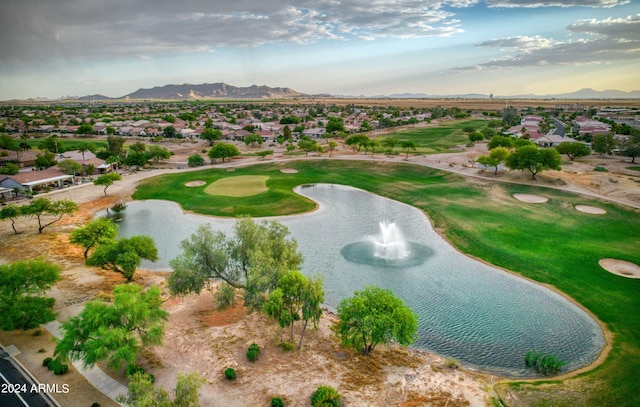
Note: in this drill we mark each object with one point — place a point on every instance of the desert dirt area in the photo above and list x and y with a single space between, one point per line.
201 339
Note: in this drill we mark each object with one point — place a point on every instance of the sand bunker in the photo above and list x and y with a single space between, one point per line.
590 209
194 183
289 170
621 267
531 198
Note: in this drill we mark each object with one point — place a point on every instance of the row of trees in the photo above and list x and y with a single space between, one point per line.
520 154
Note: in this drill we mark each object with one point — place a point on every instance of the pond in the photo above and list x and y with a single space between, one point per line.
482 316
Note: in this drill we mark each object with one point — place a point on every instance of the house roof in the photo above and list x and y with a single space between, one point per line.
39 177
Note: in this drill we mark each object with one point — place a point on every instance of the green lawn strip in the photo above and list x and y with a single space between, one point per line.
431 140
552 243
69 144
634 168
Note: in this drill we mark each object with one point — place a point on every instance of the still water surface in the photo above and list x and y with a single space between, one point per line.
482 316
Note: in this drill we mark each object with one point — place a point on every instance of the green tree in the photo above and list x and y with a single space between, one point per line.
253 259
603 144
10 169
511 116
115 145
573 150
286 132
70 167
94 233
49 144
211 135
335 124
22 285
496 157
138 147
114 332
169 132
356 141
475 136
42 208
8 143
264 153
631 147
500 141
106 180
85 128
390 142
45 160
195 160
156 153
253 139
142 393
84 147
124 255
11 212
375 316
331 146
307 144
297 298
407 145
534 160
223 150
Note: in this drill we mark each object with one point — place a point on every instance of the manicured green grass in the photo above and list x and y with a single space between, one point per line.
551 243
238 186
431 140
634 168
70 144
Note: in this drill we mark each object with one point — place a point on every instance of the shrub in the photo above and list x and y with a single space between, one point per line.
230 373
46 362
451 363
41 350
286 346
61 369
252 352
601 169
133 369
225 296
277 402
544 363
95 405
325 396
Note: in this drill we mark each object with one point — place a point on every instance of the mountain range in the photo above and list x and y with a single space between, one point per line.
222 90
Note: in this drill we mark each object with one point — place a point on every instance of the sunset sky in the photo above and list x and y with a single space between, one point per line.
343 47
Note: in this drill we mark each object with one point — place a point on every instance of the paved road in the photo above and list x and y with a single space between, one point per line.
16 389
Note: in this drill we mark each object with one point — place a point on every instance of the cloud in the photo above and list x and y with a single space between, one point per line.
43 29
555 3
608 40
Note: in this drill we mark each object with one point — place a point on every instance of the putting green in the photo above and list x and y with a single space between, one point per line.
242 185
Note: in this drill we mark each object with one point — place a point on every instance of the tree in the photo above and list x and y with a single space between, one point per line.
603 144
500 141
373 316
22 284
296 299
307 144
356 141
286 132
94 233
156 153
211 135
45 207
115 145
511 116
8 143
169 132
332 145
632 145
573 150
11 212
195 160
83 148
253 259
10 169
49 144
407 145
114 332
106 180
264 153
138 147
534 160
223 150
334 124
45 160
70 167
496 157
142 393
475 136
124 255
85 128
390 142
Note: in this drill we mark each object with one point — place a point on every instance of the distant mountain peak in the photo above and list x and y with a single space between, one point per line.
218 90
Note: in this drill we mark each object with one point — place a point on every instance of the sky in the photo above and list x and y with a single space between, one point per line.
54 48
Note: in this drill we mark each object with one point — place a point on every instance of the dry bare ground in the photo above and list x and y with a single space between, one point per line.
198 338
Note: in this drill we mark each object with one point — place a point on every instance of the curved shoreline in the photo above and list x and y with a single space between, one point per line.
608 336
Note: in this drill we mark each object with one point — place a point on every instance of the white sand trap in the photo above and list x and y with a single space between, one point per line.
621 267
289 170
590 209
531 198
194 183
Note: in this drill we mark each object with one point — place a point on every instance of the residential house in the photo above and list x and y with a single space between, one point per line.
22 158
34 181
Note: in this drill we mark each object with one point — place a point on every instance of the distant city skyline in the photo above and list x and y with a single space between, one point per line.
349 47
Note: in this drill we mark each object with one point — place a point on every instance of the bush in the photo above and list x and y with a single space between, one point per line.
225 296
95 405
133 369
544 363
286 346
46 362
325 396
230 373
601 169
451 363
252 352
277 402
61 369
